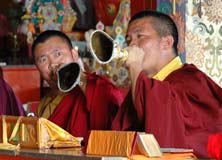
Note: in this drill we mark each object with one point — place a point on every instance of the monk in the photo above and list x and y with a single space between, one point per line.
176 102
91 105
9 102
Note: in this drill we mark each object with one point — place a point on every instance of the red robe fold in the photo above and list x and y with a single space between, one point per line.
78 113
9 102
181 111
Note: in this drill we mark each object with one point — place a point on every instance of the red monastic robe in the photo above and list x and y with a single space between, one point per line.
78 113
9 102
181 111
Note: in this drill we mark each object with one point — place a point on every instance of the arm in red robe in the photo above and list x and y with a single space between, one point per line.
181 111
9 102
79 113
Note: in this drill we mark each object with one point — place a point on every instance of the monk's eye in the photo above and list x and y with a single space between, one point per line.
42 60
57 53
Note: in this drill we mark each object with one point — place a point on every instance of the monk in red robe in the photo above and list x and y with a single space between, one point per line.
9 102
91 105
176 102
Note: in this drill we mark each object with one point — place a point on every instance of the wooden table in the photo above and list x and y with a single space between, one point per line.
51 154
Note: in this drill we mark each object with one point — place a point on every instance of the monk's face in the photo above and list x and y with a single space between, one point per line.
51 54
141 33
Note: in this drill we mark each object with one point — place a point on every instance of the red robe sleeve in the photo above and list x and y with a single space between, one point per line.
181 111
71 114
79 113
103 101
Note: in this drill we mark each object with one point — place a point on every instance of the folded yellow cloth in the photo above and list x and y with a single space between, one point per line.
9 146
110 143
33 132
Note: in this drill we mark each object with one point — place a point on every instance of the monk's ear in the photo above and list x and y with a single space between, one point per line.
167 42
75 54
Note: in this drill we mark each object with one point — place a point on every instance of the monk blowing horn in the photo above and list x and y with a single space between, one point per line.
104 48
68 76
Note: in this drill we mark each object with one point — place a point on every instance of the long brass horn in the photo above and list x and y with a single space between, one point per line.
104 48
68 76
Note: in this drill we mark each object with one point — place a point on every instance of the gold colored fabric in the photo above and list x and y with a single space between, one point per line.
48 104
33 132
169 68
110 143
5 144
9 146
56 137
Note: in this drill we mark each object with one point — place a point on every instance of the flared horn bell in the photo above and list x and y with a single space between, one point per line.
68 76
104 48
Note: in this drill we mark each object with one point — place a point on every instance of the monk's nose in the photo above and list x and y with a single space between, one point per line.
53 67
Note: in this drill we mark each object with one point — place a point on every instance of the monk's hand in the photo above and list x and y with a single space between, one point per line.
134 64
135 57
